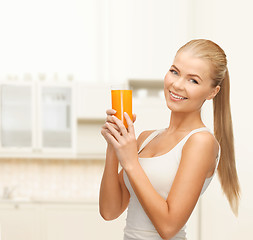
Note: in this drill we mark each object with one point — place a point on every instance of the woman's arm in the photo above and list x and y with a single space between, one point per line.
169 216
113 197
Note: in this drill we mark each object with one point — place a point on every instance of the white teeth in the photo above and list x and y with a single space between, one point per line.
175 96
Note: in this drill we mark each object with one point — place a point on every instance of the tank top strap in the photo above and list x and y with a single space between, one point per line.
149 138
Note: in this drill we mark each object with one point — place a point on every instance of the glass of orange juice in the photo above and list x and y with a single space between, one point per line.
122 101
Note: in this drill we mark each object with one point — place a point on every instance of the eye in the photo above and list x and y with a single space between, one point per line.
173 72
194 81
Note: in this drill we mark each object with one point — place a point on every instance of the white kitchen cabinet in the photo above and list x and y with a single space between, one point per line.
90 142
93 100
19 221
56 117
57 221
17 115
67 222
37 117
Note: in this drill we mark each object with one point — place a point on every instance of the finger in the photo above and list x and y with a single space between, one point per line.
110 119
121 126
129 123
105 132
134 117
111 139
113 124
114 132
110 111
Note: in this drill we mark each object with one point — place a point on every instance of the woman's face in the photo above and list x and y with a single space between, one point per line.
188 84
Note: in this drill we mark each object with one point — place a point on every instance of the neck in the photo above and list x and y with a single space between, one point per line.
185 121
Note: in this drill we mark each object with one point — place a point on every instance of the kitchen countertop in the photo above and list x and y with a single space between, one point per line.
53 156
48 201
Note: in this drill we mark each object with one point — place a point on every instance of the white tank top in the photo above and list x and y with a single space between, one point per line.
161 171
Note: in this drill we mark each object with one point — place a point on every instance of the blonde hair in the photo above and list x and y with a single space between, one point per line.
223 129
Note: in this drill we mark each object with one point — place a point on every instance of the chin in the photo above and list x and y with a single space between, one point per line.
179 109
175 109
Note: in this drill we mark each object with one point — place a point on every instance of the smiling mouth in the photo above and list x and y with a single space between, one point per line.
176 96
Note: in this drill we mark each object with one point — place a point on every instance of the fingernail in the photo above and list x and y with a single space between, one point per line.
114 110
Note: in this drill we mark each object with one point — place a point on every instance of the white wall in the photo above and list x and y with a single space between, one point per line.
142 36
228 23
95 40
49 36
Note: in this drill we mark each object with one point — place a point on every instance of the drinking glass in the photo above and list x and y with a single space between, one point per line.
122 101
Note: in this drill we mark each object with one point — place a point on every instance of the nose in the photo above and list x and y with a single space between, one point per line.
179 84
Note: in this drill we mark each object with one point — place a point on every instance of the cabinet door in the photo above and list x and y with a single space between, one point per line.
79 222
56 116
93 100
16 115
19 221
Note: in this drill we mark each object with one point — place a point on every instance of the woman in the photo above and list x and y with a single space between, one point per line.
165 171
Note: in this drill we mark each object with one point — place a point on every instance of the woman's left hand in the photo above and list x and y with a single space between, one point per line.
124 142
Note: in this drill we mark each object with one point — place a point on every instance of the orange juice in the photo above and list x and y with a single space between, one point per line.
122 102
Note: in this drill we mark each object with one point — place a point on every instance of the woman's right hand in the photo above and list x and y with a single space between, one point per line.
105 131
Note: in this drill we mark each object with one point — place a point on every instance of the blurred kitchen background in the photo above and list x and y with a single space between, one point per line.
57 62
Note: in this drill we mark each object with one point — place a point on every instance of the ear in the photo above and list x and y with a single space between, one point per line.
213 93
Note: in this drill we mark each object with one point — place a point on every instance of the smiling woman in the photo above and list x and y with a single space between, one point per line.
165 171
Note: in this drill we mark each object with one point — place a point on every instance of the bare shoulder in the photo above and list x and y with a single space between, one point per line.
202 143
143 135
204 139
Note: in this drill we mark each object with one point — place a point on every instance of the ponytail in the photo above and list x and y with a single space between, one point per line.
223 129
223 132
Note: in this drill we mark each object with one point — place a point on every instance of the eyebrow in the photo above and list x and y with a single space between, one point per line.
192 75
